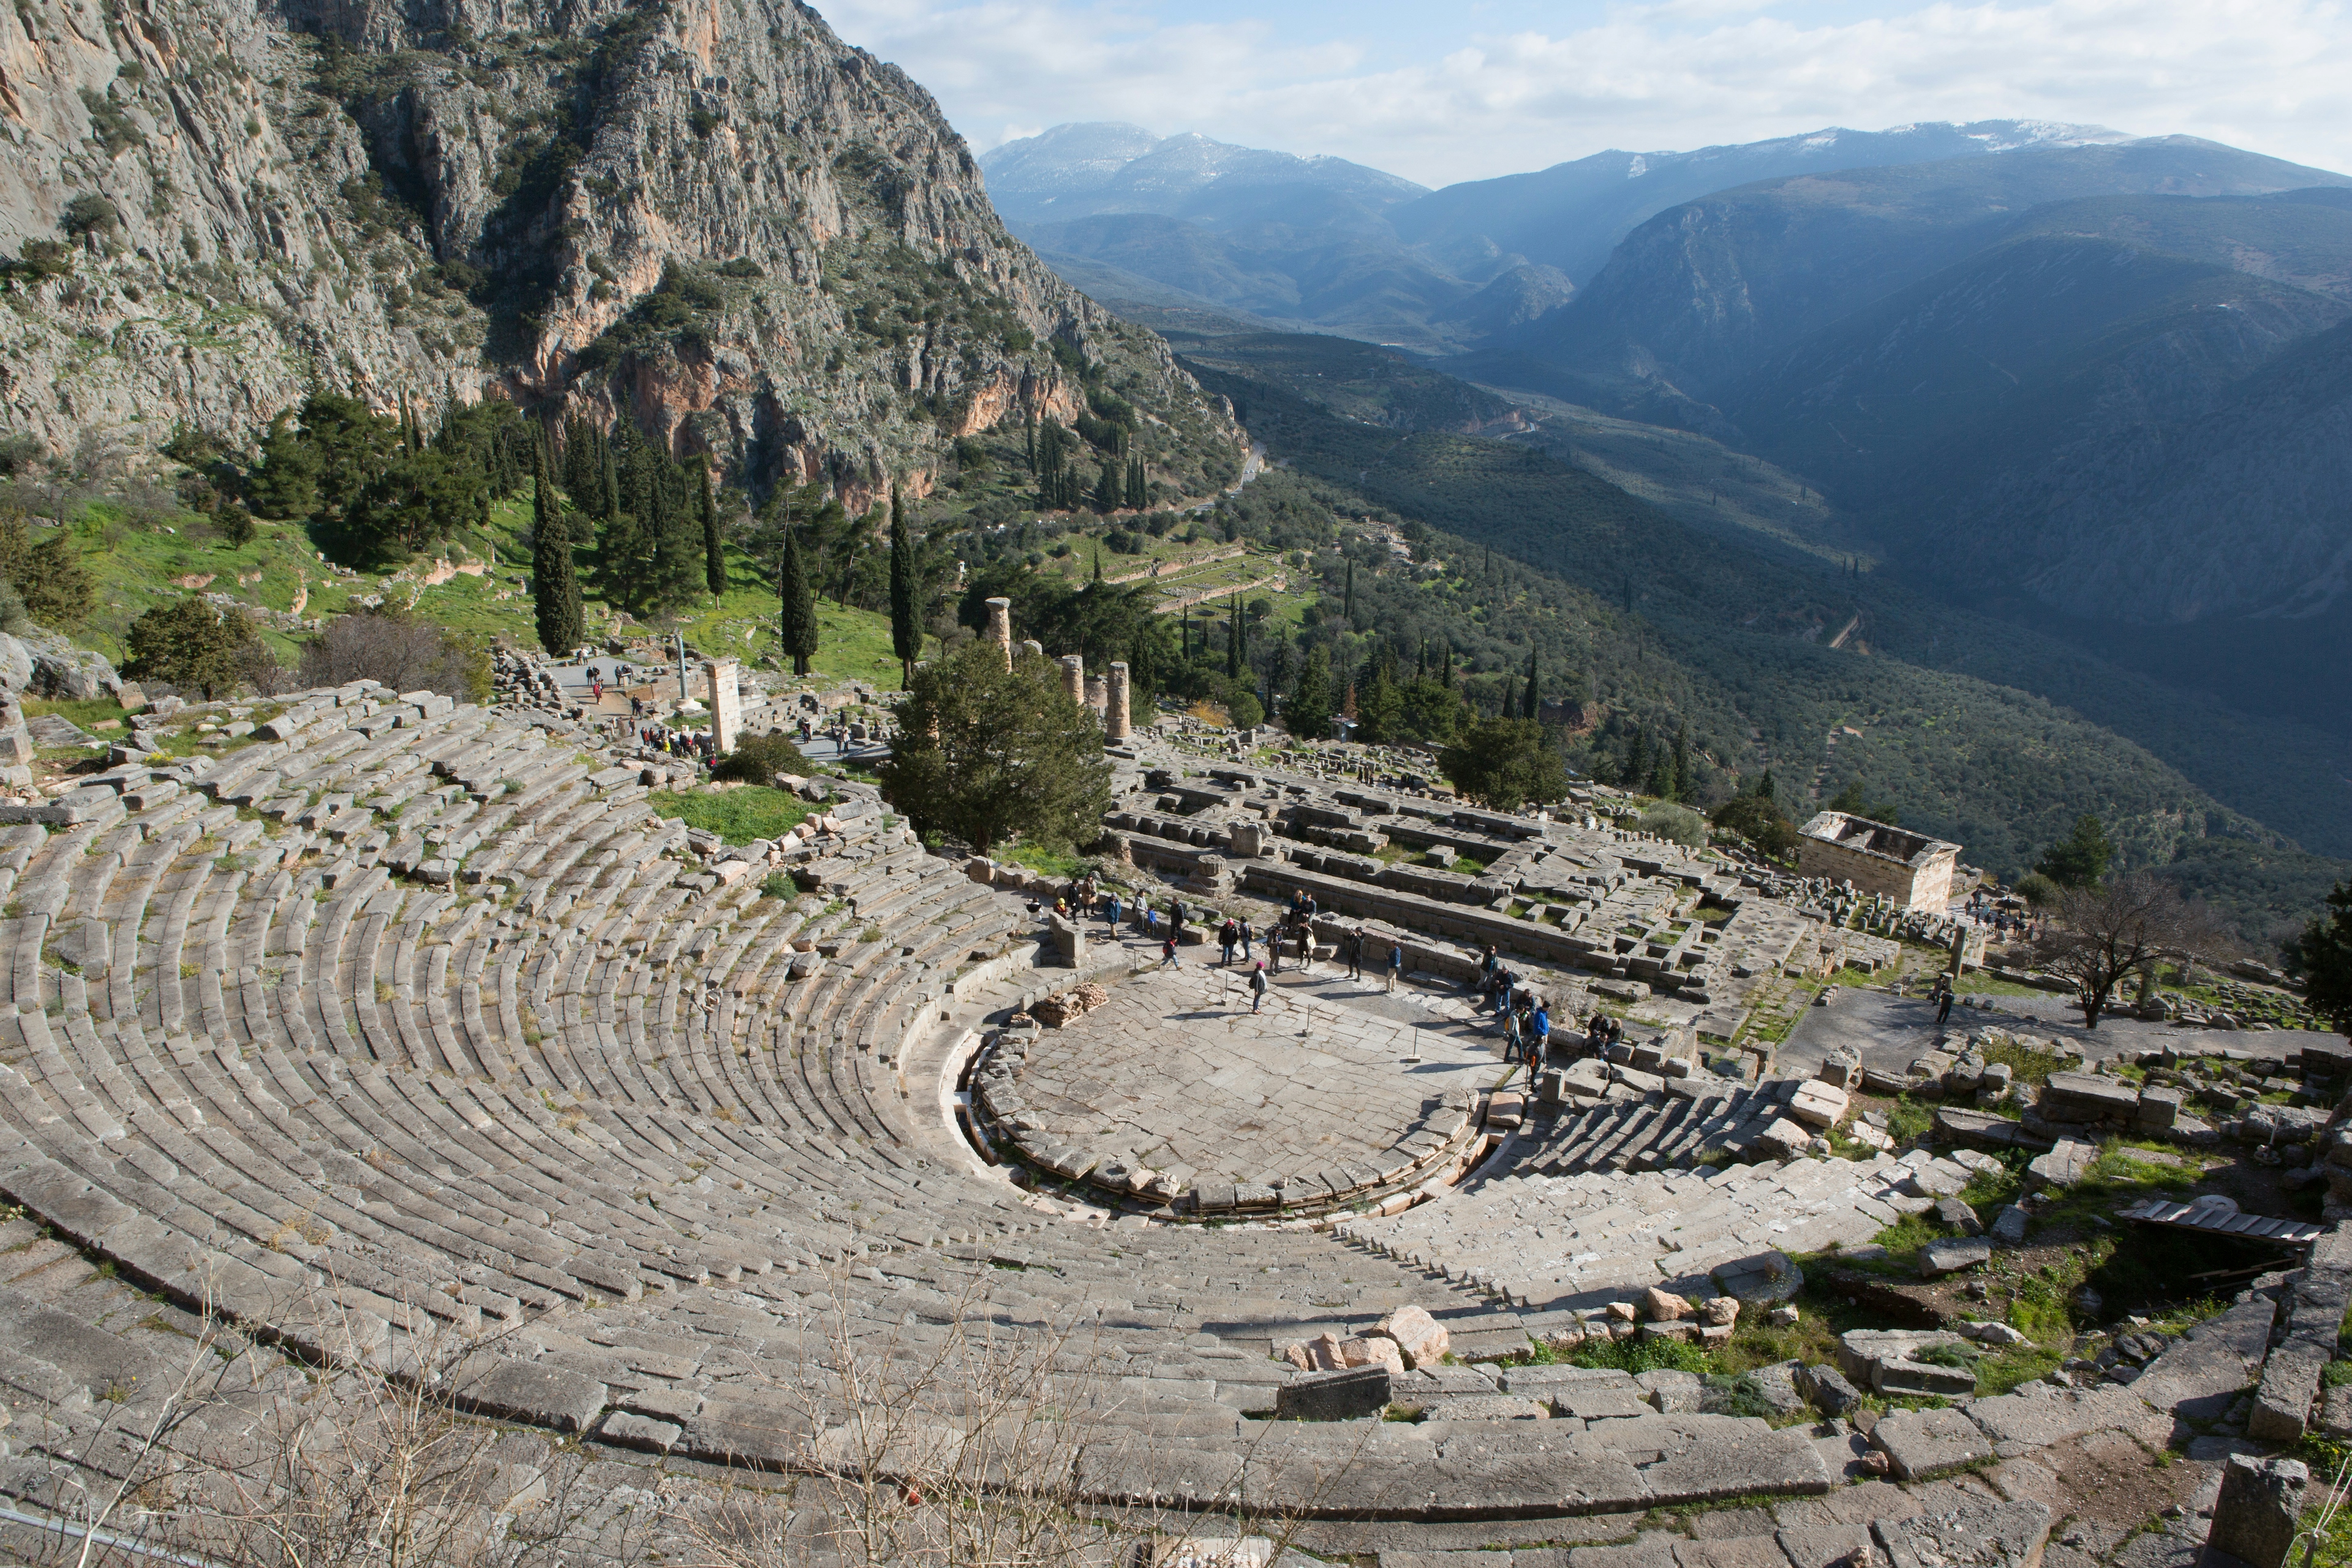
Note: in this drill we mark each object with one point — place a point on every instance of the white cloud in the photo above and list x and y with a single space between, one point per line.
2274 75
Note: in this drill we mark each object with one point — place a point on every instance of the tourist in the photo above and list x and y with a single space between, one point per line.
1489 963
1943 999
1396 962
1354 942
1150 920
1306 947
1540 1042
1245 939
1114 911
1257 986
1228 935
1274 948
1168 958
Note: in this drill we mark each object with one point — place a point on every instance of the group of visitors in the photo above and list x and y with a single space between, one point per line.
697 744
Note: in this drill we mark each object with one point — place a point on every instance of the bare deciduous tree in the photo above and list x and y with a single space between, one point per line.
2098 935
404 654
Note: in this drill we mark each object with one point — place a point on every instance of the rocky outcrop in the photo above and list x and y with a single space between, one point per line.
763 243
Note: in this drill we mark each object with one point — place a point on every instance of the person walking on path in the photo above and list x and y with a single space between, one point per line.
1306 947
1274 950
1257 986
1396 962
1226 937
1943 1000
1168 958
1511 1042
1245 939
1539 1043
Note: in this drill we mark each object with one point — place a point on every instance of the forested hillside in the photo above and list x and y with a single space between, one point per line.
1823 677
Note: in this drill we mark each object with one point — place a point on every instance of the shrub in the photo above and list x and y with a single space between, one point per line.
46 572
192 644
2036 888
89 213
1244 711
1677 823
407 655
757 759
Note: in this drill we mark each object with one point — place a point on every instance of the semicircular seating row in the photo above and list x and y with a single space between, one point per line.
425 1017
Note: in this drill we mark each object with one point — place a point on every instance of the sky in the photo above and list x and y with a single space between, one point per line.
1440 90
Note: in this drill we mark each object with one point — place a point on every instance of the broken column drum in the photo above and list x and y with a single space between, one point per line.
1074 677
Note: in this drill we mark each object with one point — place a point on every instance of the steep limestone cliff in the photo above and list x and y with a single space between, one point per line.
711 214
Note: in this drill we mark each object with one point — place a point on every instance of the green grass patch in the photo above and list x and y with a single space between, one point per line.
1046 860
1907 1119
82 715
2030 1066
737 816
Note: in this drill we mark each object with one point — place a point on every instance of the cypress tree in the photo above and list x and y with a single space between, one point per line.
797 620
1348 605
906 623
1637 760
1448 676
1766 790
1233 641
1531 705
555 585
1109 489
1682 761
714 553
1029 438
1098 576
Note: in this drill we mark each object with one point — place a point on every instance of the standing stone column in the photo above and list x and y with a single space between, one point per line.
1074 677
1000 628
1032 647
726 701
1099 694
1116 721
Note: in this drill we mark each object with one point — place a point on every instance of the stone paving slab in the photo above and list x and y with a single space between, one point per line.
1176 1074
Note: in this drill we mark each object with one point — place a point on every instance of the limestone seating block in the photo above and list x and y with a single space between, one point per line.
1972 1534
1817 1105
1921 1444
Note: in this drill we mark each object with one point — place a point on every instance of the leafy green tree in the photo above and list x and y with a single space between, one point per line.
351 444
2321 956
287 482
1243 710
714 551
45 568
798 623
556 592
192 644
905 594
2080 859
1380 700
1502 764
1431 709
985 752
1309 711
1755 819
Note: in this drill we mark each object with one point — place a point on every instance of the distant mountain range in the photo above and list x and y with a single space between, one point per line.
1326 244
2099 386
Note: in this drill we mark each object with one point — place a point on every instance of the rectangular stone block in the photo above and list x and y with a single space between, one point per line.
1919 1444
1352 1395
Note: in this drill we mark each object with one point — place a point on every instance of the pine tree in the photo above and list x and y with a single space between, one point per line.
1309 711
714 553
906 617
797 623
1637 760
555 584
1766 790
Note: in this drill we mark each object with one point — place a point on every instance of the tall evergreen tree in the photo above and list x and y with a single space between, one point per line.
714 553
1348 605
555 584
1309 711
797 623
1685 784
1233 634
905 613
1637 760
1532 703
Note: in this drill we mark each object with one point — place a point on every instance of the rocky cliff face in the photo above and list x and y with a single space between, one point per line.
712 213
